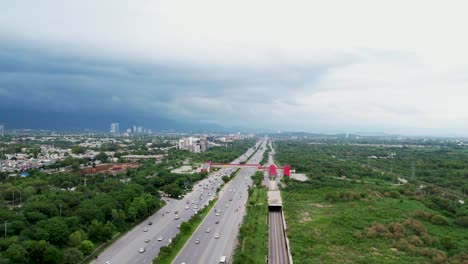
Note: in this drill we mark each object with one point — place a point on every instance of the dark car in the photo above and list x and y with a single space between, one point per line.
150 223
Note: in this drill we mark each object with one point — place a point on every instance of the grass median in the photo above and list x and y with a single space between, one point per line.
168 253
253 234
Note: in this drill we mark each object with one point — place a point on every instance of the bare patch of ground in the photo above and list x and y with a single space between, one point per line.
299 176
305 217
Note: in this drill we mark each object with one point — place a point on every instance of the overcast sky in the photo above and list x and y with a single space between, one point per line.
318 66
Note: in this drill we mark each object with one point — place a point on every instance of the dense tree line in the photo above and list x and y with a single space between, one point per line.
57 225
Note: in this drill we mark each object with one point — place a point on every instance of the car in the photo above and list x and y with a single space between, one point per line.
142 250
145 230
176 217
178 226
217 214
195 207
160 238
230 199
108 262
150 223
217 222
227 205
193 202
216 236
168 211
186 207
208 230
197 241
147 240
209 194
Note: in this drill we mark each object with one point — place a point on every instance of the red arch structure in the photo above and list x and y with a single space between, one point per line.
272 169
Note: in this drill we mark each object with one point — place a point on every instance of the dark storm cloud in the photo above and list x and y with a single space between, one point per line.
45 82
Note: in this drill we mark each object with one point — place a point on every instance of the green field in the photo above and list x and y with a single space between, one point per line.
367 219
253 235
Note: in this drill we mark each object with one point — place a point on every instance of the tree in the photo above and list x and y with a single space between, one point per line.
75 238
173 190
72 256
102 157
16 253
58 231
87 247
52 255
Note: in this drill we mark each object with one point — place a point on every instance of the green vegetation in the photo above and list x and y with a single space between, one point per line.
58 224
168 253
225 154
253 234
348 213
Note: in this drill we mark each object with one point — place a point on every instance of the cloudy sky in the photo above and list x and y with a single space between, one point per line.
318 66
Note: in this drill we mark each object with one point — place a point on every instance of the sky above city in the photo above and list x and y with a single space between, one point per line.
316 66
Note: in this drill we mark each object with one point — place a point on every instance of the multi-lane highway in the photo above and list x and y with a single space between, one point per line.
213 240
127 249
277 251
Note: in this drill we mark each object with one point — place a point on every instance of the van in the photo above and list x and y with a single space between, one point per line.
222 260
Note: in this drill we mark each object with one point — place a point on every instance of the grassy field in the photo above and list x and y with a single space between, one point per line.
253 235
360 223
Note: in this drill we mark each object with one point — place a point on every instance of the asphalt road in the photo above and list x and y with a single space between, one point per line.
126 249
210 249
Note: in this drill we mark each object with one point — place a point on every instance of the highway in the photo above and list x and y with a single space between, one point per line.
234 194
277 251
126 249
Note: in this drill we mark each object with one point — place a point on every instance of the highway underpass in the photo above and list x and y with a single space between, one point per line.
277 245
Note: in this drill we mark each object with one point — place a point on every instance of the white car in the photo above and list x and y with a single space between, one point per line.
176 217
145 230
142 250
147 240
216 236
186 207
208 230
160 238
227 205
197 241
168 211
217 214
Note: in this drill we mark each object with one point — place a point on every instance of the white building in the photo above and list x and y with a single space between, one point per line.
114 129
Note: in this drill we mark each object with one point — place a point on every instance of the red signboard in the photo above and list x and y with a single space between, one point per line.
286 170
272 170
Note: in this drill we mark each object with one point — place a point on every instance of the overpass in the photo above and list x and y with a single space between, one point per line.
272 169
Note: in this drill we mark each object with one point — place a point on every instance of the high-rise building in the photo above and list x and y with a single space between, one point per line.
2 129
114 129
140 129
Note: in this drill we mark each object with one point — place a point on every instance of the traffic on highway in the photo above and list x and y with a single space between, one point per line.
142 244
215 237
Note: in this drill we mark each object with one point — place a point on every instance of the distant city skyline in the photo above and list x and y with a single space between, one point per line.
209 64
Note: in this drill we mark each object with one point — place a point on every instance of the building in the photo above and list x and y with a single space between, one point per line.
135 158
192 144
2 129
114 129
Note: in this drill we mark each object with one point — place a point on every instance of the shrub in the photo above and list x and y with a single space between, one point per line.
439 220
462 221
416 226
